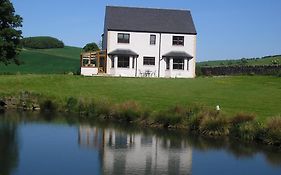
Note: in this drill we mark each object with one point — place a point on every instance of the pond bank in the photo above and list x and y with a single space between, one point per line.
94 147
197 119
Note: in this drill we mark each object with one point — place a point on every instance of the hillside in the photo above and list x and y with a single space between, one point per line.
45 61
268 60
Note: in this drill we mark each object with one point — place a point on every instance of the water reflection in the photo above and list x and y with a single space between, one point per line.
8 148
135 153
126 151
94 148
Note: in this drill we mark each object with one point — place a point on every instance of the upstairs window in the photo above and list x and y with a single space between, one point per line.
123 38
123 61
178 63
152 39
178 40
148 60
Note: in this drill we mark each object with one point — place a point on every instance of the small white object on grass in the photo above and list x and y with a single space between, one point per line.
218 108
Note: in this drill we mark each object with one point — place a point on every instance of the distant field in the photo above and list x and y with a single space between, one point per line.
260 61
252 94
45 61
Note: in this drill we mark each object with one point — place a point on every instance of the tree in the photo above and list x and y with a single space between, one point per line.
91 47
10 35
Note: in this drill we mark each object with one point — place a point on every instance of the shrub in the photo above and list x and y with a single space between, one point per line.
247 131
241 118
171 117
167 119
27 100
102 109
91 47
83 107
198 71
214 126
71 104
273 131
48 106
197 117
244 61
41 42
128 111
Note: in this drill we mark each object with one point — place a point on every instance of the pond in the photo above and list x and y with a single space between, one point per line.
36 144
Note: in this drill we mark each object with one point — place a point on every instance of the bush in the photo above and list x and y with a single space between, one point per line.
172 117
128 111
273 131
247 131
167 119
90 47
103 109
214 126
48 106
71 104
198 71
241 118
41 42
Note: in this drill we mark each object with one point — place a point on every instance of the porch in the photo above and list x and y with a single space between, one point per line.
93 63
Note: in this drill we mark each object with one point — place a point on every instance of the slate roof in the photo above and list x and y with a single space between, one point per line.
125 52
178 54
149 20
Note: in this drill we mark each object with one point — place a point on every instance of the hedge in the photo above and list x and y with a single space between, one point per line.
241 70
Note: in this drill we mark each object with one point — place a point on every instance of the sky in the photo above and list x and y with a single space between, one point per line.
227 29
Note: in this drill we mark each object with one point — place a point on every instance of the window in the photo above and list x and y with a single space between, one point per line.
93 62
148 60
86 62
152 39
178 63
167 63
123 38
123 61
178 40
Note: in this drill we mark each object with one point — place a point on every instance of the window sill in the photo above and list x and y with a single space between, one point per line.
123 68
178 45
149 65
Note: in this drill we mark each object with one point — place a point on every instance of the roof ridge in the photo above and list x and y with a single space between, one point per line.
148 8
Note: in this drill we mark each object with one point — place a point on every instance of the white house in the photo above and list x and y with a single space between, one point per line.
145 42
138 153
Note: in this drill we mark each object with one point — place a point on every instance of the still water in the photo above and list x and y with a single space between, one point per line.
33 144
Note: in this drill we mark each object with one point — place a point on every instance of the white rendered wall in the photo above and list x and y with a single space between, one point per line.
140 43
189 47
89 71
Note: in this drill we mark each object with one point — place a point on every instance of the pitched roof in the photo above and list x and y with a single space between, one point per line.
125 52
149 20
178 54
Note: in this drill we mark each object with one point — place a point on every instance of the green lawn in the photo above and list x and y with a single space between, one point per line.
254 94
45 61
261 61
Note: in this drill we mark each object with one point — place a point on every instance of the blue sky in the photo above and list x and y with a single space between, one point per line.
227 29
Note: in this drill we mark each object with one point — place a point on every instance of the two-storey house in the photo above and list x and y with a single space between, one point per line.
146 42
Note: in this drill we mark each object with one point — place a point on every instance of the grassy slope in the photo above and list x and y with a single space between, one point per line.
46 61
262 61
257 94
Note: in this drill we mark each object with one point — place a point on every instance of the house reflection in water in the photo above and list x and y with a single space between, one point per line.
123 153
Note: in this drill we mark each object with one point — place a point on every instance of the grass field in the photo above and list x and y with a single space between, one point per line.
260 61
45 61
252 94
